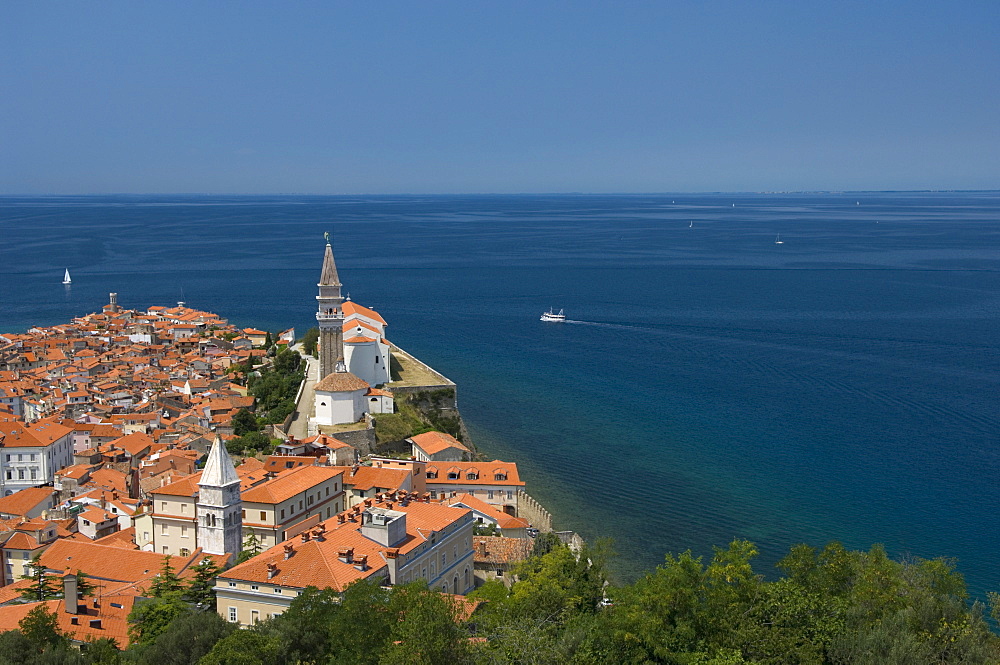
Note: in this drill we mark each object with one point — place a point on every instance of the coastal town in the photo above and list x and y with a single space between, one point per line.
130 452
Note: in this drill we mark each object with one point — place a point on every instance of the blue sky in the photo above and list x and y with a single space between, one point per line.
457 97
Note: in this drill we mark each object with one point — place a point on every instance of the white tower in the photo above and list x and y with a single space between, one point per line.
220 522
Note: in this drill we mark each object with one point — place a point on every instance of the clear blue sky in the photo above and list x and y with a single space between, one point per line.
454 97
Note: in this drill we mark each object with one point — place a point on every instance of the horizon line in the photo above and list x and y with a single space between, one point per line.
569 193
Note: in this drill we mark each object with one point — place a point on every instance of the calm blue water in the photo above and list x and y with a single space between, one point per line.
842 385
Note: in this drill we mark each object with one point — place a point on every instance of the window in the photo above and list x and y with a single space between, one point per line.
254 616
232 615
499 476
163 529
452 476
327 490
255 587
434 494
20 474
34 473
231 583
86 522
184 508
163 506
444 560
510 495
472 476
185 551
243 514
277 589
263 516
184 531
145 535
489 494
32 457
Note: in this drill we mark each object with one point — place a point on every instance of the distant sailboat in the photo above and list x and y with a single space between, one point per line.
778 240
691 225
66 279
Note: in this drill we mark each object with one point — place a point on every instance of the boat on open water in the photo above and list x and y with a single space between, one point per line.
553 317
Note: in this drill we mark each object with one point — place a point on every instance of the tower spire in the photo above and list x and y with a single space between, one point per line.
330 316
219 508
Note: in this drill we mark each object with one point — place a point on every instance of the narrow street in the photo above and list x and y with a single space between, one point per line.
299 427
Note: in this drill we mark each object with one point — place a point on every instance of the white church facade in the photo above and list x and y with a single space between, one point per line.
354 356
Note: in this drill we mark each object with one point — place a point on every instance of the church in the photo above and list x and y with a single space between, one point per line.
354 355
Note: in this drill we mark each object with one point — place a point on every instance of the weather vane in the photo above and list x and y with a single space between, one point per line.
327 236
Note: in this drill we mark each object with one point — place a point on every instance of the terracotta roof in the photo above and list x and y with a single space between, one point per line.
358 339
316 563
290 483
108 620
350 308
370 477
503 520
487 473
341 382
500 550
23 502
436 442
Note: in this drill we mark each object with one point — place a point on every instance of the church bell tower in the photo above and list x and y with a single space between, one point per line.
330 317
219 508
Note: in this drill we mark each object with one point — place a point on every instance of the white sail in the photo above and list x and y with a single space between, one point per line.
66 279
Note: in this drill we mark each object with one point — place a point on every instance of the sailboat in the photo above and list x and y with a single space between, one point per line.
778 240
691 225
66 279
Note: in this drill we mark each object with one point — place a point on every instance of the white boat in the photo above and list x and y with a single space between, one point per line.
66 279
778 240
691 225
553 317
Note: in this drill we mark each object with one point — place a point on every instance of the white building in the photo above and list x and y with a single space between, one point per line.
30 455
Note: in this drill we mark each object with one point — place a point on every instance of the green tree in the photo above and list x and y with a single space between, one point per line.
303 627
246 647
251 547
185 641
166 581
151 617
201 589
426 631
268 341
310 340
44 585
362 626
244 422
41 627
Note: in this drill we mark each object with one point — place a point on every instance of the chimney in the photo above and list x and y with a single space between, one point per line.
388 504
346 554
272 570
340 518
70 593
368 503
305 536
481 546
361 562
289 551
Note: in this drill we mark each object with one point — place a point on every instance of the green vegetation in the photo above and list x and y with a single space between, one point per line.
828 607
310 341
417 413
274 389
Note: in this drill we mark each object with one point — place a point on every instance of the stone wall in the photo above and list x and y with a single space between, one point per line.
533 511
362 439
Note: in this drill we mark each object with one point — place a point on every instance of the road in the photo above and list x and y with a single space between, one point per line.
299 427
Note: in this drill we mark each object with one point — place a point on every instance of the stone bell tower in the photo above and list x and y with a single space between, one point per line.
219 508
330 317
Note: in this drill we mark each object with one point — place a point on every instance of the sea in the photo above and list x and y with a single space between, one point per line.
710 383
